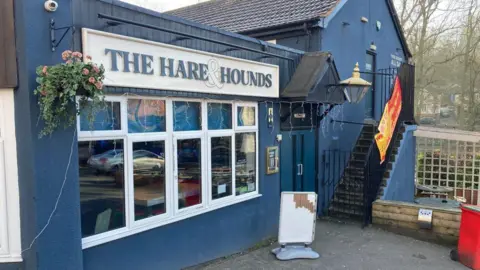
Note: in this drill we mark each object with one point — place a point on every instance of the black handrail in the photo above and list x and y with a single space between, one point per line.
374 171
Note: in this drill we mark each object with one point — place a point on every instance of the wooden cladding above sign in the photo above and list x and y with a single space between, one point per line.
8 61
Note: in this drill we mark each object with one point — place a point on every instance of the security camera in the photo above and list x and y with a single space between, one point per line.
51 5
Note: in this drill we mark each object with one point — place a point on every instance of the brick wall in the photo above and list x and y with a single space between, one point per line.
402 218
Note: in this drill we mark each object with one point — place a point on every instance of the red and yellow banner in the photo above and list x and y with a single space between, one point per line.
389 120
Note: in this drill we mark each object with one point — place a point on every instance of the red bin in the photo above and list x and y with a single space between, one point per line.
469 240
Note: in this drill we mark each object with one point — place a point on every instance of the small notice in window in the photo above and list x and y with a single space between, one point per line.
299 115
251 186
222 189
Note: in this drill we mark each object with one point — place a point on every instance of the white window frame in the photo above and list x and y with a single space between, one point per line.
10 237
219 134
246 128
106 133
170 137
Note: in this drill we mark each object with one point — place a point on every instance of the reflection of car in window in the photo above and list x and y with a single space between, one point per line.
146 161
112 161
109 161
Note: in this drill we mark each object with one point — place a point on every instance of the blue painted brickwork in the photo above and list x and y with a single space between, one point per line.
401 185
349 44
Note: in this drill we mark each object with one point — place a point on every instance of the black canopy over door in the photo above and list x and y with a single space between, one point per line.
312 78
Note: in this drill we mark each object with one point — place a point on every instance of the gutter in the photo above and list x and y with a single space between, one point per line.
282 28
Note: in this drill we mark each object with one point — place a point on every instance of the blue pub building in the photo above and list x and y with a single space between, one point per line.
174 171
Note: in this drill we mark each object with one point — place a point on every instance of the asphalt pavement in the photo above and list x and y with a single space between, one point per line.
348 246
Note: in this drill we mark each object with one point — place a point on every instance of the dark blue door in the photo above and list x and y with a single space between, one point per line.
298 168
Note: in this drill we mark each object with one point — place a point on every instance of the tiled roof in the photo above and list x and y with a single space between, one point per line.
247 15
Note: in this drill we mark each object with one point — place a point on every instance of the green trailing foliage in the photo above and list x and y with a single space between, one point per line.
67 89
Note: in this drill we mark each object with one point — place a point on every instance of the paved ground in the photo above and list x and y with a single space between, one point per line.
347 246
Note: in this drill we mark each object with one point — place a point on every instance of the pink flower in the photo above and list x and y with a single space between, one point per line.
44 70
43 93
66 54
69 61
91 80
96 69
77 54
88 57
85 71
99 85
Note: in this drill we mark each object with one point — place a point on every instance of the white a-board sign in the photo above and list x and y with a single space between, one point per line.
297 217
133 62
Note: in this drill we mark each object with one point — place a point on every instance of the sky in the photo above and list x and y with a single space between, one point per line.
163 5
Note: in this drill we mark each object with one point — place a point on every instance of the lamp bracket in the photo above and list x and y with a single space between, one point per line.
53 41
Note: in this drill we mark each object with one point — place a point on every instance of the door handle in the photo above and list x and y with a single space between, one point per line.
299 169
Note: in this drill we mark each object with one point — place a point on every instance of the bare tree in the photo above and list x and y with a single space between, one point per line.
439 39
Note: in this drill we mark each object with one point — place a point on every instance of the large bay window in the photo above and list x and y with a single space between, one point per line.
147 162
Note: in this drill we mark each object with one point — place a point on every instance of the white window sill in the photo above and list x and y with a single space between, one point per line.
124 232
10 258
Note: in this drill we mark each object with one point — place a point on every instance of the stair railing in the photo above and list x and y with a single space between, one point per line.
373 170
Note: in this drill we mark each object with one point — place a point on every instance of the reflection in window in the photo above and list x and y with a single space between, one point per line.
102 196
149 178
189 172
219 116
246 116
108 118
146 115
187 116
221 167
245 162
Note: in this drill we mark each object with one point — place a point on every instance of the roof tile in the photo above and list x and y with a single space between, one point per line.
247 15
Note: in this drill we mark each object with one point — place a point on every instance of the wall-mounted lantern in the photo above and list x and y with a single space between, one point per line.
354 88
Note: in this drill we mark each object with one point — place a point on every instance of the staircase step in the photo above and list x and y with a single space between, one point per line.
368 136
360 155
364 142
357 163
351 186
347 202
362 148
355 171
340 210
348 196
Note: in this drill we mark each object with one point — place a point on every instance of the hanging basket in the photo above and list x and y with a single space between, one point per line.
61 85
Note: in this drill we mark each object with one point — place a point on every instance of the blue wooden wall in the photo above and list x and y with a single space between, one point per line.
348 39
42 162
401 184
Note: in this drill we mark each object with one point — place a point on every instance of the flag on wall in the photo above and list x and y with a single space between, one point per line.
389 120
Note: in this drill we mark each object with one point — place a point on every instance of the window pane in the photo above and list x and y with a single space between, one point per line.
102 195
246 116
189 172
221 167
108 118
149 178
219 116
245 163
187 116
146 116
